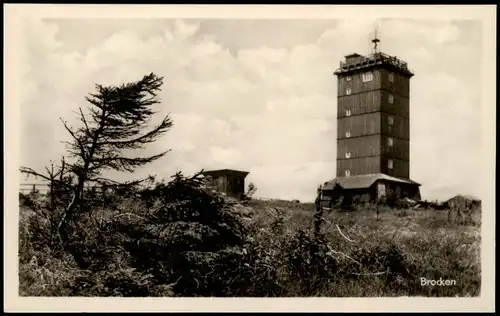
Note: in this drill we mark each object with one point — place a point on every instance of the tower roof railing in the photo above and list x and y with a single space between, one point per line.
374 58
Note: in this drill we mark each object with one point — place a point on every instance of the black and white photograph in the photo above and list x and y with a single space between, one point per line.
232 152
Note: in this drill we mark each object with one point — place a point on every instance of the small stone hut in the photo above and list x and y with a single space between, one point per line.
227 181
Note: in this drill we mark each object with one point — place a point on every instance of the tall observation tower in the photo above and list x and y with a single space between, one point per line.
373 126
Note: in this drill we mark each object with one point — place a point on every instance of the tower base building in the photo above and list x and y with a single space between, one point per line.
371 188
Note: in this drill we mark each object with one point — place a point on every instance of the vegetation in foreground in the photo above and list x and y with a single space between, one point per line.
190 242
179 238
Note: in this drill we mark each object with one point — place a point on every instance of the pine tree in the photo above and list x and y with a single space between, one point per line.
113 126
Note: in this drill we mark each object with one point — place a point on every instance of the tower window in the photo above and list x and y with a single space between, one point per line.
347 134
347 112
391 99
390 142
368 76
348 91
390 120
390 164
348 78
348 155
347 173
391 77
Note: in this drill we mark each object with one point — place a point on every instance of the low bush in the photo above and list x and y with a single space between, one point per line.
181 239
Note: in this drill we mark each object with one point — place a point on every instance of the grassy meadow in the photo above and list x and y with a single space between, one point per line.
203 245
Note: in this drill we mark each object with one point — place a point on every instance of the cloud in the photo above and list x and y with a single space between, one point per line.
240 100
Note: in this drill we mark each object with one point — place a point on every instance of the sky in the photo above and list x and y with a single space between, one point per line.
257 95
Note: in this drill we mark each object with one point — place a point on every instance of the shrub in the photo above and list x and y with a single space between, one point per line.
181 239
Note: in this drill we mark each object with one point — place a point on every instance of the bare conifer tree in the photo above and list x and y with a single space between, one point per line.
113 126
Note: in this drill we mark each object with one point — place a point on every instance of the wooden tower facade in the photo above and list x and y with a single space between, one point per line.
373 123
373 118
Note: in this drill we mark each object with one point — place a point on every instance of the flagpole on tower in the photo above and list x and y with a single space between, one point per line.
375 40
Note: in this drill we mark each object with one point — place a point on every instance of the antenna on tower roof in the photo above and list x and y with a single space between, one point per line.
375 40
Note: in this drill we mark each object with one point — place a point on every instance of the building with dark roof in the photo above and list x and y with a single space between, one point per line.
463 202
227 181
373 127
